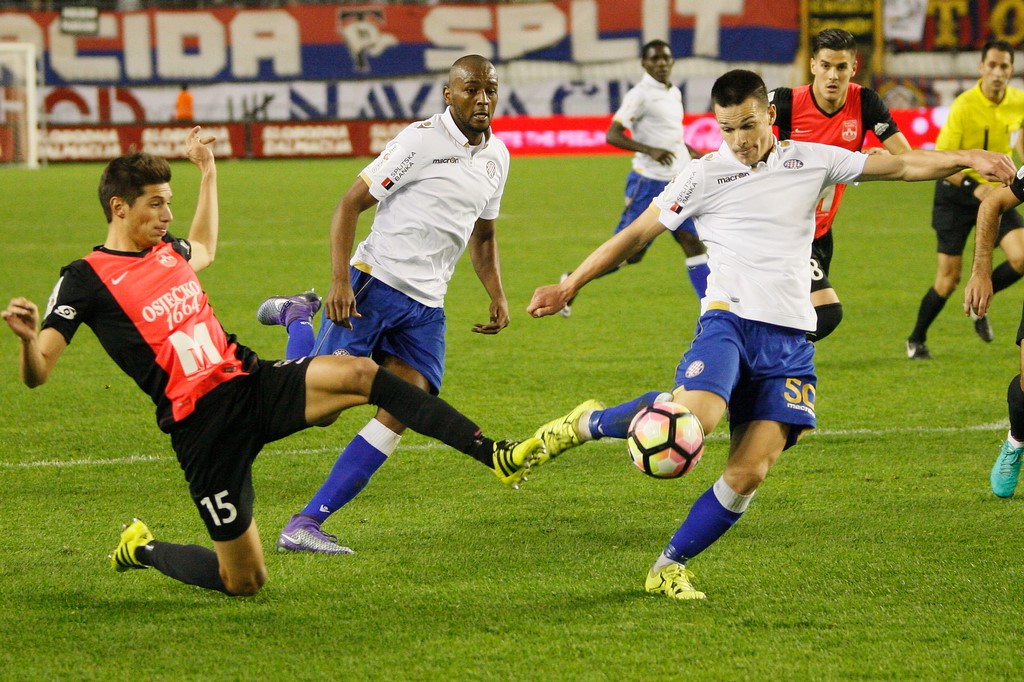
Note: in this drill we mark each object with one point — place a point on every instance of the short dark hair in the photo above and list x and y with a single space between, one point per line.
737 86
653 45
127 176
993 44
833 39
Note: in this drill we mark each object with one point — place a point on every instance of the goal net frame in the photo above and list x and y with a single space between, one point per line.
19 106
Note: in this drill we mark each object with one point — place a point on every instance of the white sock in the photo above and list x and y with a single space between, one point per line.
1014 443
380 437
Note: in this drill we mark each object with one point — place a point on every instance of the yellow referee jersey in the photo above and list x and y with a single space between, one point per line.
975 122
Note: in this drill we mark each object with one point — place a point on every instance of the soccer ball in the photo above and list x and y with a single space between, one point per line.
665 440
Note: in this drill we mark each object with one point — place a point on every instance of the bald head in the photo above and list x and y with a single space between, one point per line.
471 95
469 66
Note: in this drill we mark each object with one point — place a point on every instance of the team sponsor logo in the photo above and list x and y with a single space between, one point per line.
166 260
729 178
387 183
793 163
684 194
175 305
389 151
492 168
65 311
880 128
850 130
450 159
694 368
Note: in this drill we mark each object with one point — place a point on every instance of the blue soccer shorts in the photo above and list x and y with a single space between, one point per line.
640 192
391 324
764 372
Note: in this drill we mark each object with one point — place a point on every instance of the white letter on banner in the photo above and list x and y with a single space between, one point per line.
587 45
138 57
655 21
525 28
706 28
20 28
173 62
65 60
265 35
456 28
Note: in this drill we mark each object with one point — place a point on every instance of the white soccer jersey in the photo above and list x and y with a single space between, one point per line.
758 224
653 114
432 187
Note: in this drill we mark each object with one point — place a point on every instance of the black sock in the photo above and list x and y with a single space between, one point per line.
931 306
429 415
190 564
1015 403
1004 276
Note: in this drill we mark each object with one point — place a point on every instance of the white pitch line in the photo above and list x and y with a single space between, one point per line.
995 427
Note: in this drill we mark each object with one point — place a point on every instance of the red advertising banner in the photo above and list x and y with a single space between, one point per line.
524 136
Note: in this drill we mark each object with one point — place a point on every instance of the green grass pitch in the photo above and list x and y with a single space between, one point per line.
874 551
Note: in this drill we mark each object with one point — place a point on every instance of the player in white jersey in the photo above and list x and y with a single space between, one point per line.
652 113
437 189
753 202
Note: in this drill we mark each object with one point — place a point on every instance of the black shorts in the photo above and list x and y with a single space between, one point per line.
821 261
954 214
216 444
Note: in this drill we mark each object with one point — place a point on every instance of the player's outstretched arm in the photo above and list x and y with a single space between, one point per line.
921 164
978 293
550 299
206 222
39 350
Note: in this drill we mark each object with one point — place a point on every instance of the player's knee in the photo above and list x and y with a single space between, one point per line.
245 583
829 317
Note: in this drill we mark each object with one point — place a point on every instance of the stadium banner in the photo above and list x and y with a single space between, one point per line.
965 25
524 136
400 99
341 42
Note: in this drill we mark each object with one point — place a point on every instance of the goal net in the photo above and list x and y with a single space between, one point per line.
19 113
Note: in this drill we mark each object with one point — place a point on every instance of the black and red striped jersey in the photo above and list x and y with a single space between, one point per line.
153 319
798 117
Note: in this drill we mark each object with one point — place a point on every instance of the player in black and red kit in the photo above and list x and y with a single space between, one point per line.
832 110
216 399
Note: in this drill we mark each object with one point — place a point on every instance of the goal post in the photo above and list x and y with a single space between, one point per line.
19 107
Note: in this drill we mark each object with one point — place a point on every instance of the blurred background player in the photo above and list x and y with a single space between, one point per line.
652 113
977 300
437 190
832 110
751 354
985 116
183 105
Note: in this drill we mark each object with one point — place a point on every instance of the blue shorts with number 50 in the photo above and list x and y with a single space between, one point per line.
764 372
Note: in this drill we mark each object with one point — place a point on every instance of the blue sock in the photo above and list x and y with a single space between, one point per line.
697 268
352 471
300 339
614 421
711 515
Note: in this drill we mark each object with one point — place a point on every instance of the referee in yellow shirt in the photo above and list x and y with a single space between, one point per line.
984 117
